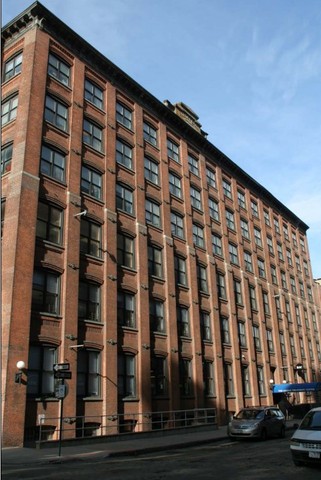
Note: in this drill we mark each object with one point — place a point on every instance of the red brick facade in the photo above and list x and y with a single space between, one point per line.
108 193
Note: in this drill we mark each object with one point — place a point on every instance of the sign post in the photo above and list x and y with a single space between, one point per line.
61 372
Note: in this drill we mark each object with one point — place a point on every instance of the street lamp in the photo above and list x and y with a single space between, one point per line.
18 375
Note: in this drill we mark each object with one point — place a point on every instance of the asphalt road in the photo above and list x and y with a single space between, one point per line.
270 460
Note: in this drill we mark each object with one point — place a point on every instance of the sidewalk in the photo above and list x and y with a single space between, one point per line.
98 451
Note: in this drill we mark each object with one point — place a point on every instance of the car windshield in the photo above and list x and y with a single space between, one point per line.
250 414
312 421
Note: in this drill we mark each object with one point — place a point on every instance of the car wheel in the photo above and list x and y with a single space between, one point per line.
263 435
282 432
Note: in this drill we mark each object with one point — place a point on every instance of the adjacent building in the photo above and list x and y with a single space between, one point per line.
134 250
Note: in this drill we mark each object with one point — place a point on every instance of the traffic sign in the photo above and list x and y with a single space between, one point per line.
60 391
62 374
61 366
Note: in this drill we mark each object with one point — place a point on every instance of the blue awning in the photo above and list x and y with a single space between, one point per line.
297 387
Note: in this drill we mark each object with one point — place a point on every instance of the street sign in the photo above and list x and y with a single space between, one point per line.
60 391
62 374
61 366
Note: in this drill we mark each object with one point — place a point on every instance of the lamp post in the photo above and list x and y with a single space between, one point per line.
18 375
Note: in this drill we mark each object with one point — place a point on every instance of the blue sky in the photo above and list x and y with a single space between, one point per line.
250 69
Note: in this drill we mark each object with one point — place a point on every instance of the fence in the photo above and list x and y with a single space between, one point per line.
118 424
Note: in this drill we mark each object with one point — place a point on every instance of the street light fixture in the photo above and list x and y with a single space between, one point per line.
18 375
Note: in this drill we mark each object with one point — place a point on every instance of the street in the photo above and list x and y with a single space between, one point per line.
270 460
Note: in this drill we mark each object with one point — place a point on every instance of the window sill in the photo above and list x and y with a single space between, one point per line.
91 399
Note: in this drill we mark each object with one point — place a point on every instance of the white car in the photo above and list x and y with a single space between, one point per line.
306 440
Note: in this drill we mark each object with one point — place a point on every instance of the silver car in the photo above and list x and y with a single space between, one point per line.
306 440
257 422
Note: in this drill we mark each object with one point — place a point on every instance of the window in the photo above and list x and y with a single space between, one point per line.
150 134
9 110
245 229
293 284
88 373
193 164
124 199
230 219
228 379
302 348
305 268
90 238
198 236
289 257
52 163
213 208
269 242
314 322
225 329
155 261
254 208
238 292
196 198
216 245
123 115
256 337
12 67
156 315
89 301
301 288
266 305
175 187
282 344
242 334
49 223
285 231
248 262
302 244
257 237
283 279
208 378
185 377
6 158
202 278
125 251
183 321
269 338
241 199
278 307
205 326
253 302
266 217
317 344
310 350
56 113
124 154
177 225
3 210
94 94
152 213
292 346
220 283
92 135
245 380
276 225
45 292
210 177
180 270
58 69
294 239
260 379
41 382
227 189
233 254
297 315
151 170
158 376
261 267
126 316
172 150
91 182
273 275
126 376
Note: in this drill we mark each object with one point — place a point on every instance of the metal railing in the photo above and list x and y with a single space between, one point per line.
119 424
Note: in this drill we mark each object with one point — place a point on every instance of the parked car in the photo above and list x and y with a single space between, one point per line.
257 422
306 440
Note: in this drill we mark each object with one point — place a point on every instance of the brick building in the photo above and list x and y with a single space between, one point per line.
134 250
